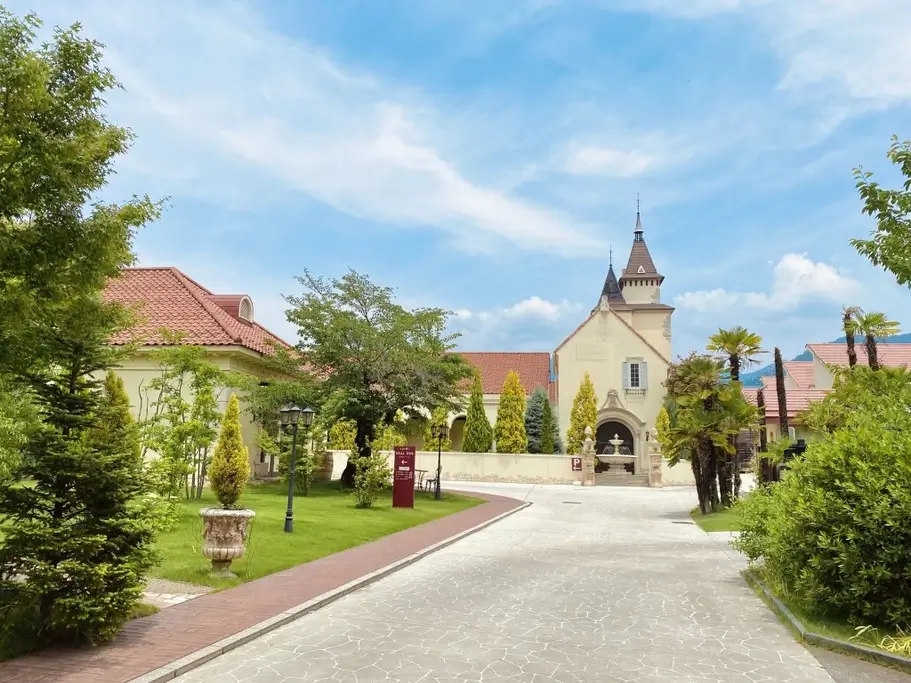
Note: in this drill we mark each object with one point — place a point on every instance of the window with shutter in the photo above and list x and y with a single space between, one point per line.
625 375
643 375
634 376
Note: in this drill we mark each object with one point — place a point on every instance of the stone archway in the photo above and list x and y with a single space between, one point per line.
457 433
607 430
627 426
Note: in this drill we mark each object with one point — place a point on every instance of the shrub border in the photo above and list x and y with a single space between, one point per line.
878 656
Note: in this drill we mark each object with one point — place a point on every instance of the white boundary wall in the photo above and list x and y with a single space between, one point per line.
523 468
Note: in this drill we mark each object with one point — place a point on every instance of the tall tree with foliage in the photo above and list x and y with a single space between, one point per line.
741 348
509 430
478 435
535 421
889 245
548 445
584 414
708 413
78 542
180 417
783 425
440 416
17 418
848 315
57 241
663 428
874 325
377 357
80 539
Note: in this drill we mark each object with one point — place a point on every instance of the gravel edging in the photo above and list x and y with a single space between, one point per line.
204 655
877 656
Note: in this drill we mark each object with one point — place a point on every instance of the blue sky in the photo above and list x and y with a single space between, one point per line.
482 156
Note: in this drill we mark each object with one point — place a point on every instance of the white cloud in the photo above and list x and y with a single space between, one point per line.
795 280
216 98
531 324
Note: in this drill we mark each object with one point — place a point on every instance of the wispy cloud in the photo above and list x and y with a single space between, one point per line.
532 324
210 82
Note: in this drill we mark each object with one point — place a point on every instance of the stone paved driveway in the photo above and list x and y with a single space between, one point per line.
606 585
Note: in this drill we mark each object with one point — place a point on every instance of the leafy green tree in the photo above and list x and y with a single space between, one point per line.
431 442
378 358
180 417
478 432
889 245
534 420
584 414
873 325
663 428
548 427
80 539
17 418
510 428
57 241
229 470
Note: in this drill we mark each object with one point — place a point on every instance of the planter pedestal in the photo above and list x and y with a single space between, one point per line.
224 537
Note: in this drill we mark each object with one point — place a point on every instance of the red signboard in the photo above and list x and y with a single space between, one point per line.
577 464
403 477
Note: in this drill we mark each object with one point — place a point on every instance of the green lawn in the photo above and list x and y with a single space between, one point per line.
325 522
725 520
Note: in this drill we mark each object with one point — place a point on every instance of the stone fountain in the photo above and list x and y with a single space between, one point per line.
617 460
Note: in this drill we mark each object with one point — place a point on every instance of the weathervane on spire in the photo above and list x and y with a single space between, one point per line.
610 252
637 203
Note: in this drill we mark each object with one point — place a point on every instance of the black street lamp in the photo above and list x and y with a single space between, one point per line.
291 416
439 431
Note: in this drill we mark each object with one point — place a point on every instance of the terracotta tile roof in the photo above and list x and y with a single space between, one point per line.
768 382
890 355
166 298
797 401
801 372
751 394
533 369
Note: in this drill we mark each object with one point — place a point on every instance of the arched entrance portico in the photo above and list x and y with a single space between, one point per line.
627 427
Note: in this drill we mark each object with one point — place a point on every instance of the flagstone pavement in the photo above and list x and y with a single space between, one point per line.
614 585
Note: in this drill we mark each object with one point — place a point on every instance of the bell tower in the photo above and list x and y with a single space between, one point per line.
640 282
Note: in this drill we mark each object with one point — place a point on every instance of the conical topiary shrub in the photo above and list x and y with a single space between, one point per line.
225 530
510 427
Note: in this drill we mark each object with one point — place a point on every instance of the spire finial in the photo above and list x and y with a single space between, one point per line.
610 255
638 230
637 203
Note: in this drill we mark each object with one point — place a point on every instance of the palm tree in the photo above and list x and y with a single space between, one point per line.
874 325
739 345
848 316
741 348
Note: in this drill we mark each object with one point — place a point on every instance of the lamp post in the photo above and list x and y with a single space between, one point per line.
440 432
291 416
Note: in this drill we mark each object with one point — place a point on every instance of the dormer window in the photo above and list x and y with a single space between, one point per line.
245 310
641 270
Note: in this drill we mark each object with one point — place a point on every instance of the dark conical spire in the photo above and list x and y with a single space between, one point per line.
611 287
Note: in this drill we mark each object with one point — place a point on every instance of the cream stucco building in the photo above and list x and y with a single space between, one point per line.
624 344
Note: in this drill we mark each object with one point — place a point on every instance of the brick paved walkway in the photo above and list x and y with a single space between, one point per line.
146 644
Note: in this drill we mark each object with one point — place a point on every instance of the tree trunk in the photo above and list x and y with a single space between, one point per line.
782 397
849 339
872 352
700 483
763 438
366 431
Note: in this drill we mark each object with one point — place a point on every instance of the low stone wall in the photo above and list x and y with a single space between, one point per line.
520 468
515 468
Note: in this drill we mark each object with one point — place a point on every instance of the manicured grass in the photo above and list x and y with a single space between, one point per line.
325 522
143 609
724 520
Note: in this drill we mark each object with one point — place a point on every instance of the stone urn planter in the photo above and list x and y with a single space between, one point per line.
224 537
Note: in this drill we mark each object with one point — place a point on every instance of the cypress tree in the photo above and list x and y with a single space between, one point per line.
230 467
555 430
584 414
510 427
534 420
478 432
547 428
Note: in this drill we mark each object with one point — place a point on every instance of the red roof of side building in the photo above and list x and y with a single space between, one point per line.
166 298
797 400
533 369
751 394
890 355
801 372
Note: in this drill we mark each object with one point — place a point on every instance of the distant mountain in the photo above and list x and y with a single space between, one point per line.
753 379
